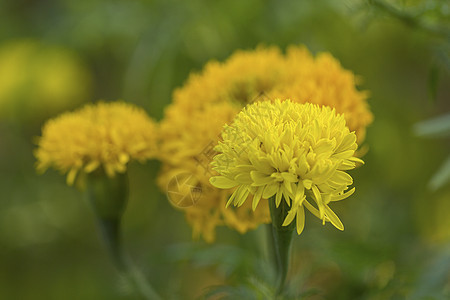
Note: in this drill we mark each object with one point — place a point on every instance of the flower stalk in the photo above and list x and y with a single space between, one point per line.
108 197
281 241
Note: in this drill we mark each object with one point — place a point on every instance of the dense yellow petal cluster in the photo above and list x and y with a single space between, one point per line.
106 135
212 98
287 151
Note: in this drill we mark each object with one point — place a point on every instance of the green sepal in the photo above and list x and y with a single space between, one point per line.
281 239
108 197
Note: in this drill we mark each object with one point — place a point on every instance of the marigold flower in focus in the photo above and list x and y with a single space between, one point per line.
212 98
296 152
102 135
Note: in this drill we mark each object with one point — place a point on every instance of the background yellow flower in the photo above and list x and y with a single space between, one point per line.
102 135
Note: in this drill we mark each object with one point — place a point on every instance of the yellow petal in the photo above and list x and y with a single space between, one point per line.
260 178
290 216
232 197
316 193
262 165
344 155
346 165
270 190
355 159
307 184
71 176
91 166
343 196
299 193
124 158
288 187
257 197
300 219
240 199
333 218
289 177
318 199
311 208
243 178
342 178
222 182
346 142
278 197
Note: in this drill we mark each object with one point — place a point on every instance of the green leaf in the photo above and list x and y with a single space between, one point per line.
441 177
227 259
436 127
434 278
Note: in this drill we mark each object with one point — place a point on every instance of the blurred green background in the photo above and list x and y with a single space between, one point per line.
56 55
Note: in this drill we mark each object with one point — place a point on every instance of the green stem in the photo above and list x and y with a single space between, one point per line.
108 197
111 236
110 233
281 241
271 246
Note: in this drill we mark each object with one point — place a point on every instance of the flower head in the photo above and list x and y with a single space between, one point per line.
285 150
106 135
212 98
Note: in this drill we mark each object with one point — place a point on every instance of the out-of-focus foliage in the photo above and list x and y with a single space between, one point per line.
39 79
437 127
397 236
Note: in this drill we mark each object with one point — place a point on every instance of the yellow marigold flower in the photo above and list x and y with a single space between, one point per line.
213 97
106 135
240 79
291 151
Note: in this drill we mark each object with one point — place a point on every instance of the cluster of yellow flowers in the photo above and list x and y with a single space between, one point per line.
212 98
106 135
285 150
290 151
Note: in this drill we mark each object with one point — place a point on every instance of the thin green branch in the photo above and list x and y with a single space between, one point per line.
411 19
